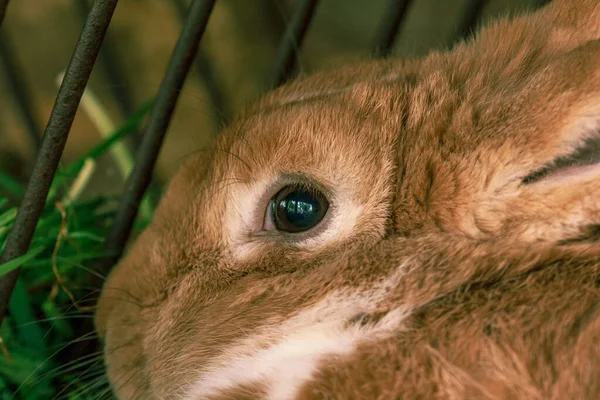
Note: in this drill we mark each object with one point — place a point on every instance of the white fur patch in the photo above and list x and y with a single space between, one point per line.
241 219
298 344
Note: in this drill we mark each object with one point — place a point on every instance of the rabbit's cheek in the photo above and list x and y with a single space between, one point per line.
125 353
280 355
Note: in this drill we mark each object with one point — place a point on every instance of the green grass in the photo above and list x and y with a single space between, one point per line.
43 318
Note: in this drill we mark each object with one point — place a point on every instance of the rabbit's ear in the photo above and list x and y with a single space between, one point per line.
560 199
582 157
554 161
570 118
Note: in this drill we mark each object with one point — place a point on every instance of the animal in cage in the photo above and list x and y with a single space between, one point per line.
390 229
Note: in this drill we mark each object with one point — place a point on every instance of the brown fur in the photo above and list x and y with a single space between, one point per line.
501 278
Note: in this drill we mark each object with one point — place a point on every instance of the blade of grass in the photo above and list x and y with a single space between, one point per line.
127 128
6 220
91 104
70 171
54 314
17 262
22 312
80 182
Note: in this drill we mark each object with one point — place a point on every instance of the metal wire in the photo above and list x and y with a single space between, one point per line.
389 27
3 6
206 73
292 41
54 139
19 88
179 66
112 69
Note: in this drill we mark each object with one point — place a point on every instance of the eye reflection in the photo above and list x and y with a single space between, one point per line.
296 209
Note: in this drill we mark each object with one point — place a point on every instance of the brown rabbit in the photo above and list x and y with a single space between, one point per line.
396 229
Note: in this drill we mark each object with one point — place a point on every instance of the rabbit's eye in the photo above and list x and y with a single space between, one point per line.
296 209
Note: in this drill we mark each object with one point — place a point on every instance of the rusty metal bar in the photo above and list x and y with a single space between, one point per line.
471 18
292 41
17 83
54 139
206 73
111 69
390 25
3 7
179 66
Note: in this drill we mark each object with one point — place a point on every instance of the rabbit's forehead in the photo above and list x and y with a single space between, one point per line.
326 142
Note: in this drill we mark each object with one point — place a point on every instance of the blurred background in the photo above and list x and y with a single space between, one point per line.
235 62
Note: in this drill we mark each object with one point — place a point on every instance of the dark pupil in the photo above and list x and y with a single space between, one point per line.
298 210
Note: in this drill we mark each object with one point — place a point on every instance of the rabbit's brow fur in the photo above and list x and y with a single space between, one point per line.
446 267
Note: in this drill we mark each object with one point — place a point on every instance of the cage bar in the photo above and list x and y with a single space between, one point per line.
396 12
206 73
292 41
179 66
112 69
53 141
